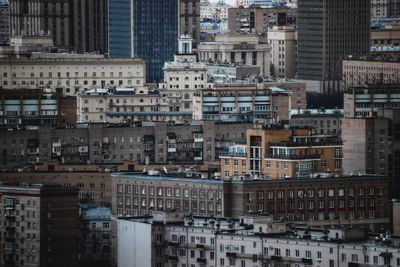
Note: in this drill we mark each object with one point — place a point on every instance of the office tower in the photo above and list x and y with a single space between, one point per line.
89 26
4 23
144 28
328 30
41 18
75 25
189 19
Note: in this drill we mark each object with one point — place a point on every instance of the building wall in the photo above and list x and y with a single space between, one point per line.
4 24
358 72
73 74
360 201
315 22
94 186
298 89
389 36
135 252
258 20
34 209
283 41
189 19
323 123
246 49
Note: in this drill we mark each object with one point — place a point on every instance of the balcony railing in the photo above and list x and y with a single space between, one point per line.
297 157
230 154
312 143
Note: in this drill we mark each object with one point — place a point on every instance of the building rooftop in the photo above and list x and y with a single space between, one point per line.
248 226
96 214
255 179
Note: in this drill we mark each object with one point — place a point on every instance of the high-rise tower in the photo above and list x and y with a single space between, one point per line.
328 30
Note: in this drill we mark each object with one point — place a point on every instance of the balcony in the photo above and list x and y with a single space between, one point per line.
338 155
276 258
302 144
292 157
173 243
10 229
231 254
199 245
202 260
306 261
173 258
230 154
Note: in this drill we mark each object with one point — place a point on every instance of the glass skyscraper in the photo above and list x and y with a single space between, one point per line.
120 28
144 28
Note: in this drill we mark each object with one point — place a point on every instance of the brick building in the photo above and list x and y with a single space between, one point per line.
40 225
278 153
94 186
359 201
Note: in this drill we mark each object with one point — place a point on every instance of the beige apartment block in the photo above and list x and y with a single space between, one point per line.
361 71
283 42
69 74
389 36
245 49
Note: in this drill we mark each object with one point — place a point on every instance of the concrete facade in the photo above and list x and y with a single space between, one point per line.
283 41
72 73
238 102
324 121
249 241
247 49
370 71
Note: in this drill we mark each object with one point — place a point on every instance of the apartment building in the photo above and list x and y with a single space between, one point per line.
368 148
93 182
245 102
283 41
363 71
166 239
249 50
257 20
386 36
370 101
372 145
95 236
324 121
21 108
155 142
68 74
298 90
278 153
40 225
359 201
